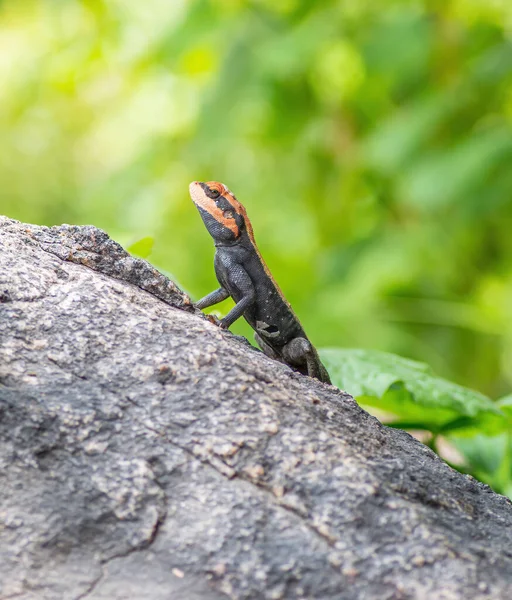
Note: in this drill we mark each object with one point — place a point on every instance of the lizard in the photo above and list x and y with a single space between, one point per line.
243 274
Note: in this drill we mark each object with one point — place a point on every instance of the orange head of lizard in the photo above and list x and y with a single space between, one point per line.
222 214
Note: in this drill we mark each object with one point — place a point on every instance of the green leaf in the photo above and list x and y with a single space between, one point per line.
406 388
484 453
487 447
489 459
505 405
142 248
489 424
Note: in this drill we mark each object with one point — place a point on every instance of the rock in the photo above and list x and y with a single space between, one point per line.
145 453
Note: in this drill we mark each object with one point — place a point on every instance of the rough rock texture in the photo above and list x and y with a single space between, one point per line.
144 453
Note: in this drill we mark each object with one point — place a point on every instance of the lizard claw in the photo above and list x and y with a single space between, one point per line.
214 320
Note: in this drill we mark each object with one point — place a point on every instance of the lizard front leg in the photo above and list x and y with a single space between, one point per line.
300 352
239 279
213 298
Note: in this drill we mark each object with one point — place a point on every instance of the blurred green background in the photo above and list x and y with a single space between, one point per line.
370 142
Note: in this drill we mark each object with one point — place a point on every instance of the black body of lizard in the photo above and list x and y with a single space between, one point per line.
243 275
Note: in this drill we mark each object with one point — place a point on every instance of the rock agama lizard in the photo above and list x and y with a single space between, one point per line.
243 275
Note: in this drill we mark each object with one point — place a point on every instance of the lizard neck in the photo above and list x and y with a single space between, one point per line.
244 240
226 244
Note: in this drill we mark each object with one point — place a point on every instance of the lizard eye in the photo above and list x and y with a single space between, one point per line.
214 193
228 214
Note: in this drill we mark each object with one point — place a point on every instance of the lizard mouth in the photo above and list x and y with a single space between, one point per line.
199 197
196 191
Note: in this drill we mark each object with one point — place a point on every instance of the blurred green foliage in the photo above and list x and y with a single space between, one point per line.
462 425
370 142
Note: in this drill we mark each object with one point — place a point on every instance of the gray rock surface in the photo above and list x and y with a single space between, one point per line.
144 453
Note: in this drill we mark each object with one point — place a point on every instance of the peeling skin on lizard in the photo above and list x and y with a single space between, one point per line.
243 274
